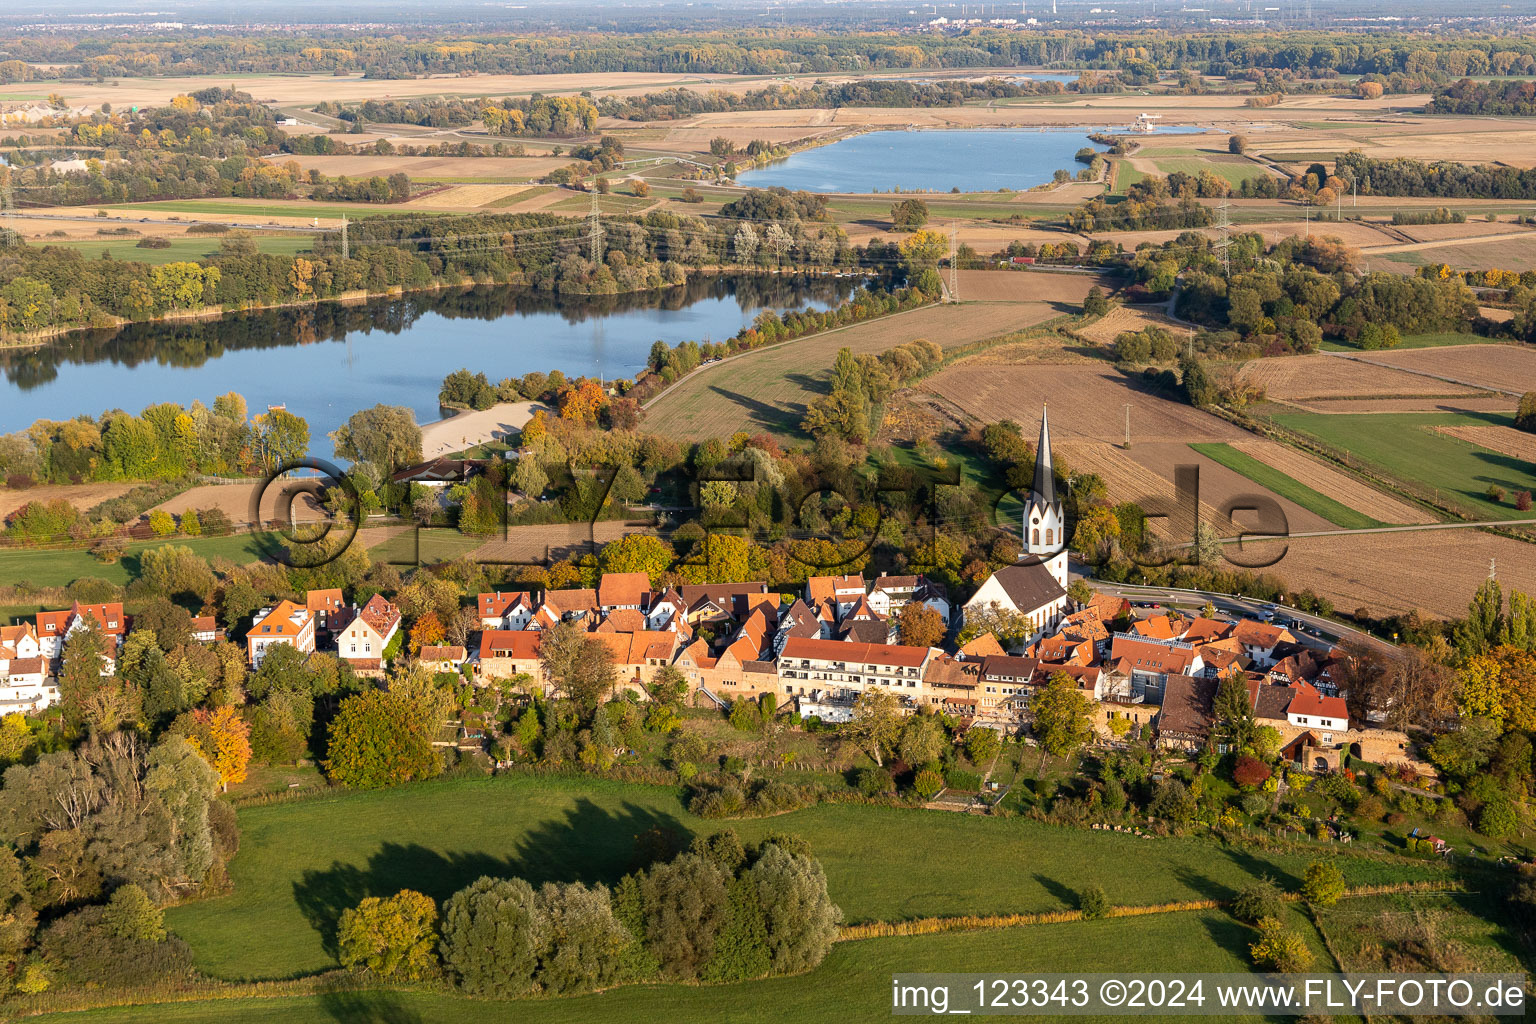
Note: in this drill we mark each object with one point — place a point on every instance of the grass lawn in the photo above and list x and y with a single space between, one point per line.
1286 486
55 568
194 248
301 863
296 208
425 547
1471 927
852 984
1233 173
1422 341
1407 446
611 203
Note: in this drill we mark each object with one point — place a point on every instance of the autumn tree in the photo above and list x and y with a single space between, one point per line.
375 741
385 437
1063 717
390 938
1233 711
577 663
920 626
223 739
876 723
637 552
426 632
1323 884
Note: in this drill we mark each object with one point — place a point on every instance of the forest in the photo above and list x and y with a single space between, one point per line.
761 52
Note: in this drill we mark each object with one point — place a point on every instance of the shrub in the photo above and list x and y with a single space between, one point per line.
928 783
87 952
1323 884
1250 772
391 937
1494 493
875 782
153 242
1279 948
130 914
1257 900
1093 903
1523 501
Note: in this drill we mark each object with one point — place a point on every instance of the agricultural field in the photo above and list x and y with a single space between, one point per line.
1233 170
769 389
1067 291
1305 380
1433 571
1275 480
1507 368
1412 447
301 863
1121 319
986 392
1126 479
1338 486
192 248
1504 440
58 568
82 496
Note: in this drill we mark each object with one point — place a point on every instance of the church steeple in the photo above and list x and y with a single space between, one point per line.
1044 518
1044 490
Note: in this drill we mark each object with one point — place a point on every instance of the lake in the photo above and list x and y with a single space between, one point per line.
935 160
327 361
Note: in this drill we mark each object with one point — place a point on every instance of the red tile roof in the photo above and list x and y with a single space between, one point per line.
623 588
1307 701
868 654
380 615
518 644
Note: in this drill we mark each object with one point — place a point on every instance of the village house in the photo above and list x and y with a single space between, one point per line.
1186 718
205 629
712 604
623 590
952 686
442 658
283 623
329 609
888 595
53 627
19 641
362 643
840 594
1140 667
507 653
1259 640
511 609
842 670
25 685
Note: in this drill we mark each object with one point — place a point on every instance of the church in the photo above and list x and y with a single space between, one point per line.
1036 587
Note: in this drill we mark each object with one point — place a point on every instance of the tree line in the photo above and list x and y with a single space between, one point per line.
764 51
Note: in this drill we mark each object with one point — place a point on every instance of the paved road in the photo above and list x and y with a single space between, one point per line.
1249 607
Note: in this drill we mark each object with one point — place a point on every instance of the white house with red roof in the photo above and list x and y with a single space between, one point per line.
53 627
843 670
363 642
1309 709
510 609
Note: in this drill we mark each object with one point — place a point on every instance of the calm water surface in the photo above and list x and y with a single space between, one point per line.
326 362
936 160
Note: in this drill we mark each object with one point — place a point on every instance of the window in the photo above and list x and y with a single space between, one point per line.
1048 535
1036 535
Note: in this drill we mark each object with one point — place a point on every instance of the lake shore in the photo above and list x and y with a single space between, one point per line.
468 427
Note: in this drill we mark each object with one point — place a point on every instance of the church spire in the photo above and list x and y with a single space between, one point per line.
1044 490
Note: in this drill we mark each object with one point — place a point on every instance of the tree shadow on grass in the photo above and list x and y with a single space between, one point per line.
758 412
589 844
1063 892
1258 867
1230 934
350 1006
